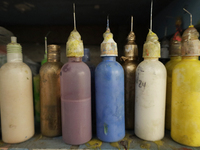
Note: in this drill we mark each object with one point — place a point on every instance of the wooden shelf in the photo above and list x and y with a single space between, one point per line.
129 142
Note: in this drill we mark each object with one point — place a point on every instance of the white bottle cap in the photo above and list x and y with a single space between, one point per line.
13 39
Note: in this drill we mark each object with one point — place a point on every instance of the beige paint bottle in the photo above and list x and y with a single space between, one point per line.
17 119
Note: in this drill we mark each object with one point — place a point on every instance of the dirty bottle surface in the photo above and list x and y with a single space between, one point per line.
185 120
75 83
109 86
150 93
50 101
175 58
129 65
76 102
17 116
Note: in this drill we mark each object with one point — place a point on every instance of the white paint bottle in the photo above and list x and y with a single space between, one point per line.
150 92
17 119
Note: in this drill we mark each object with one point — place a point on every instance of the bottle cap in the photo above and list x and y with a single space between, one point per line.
151 47
131 49
108 46
175 45
14 47
190 45
74 47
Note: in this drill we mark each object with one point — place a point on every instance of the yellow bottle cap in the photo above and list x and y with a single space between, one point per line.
151 47
74 46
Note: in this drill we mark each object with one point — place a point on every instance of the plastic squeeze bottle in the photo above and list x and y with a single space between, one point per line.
185 119
75 94
150 92
109 86
17 118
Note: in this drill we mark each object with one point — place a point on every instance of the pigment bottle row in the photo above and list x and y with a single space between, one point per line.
113 97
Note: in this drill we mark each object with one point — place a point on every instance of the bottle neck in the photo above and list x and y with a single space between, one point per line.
189 58
53 57
151 58
109 58
14 57
131 58
74 59
175 58
85 58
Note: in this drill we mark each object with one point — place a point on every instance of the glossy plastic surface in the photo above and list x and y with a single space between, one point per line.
109 83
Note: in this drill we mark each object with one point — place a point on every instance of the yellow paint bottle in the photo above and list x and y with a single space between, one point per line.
175 57
185 119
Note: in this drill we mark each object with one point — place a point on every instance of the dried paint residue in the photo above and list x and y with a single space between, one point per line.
125 142
74 47
184 148
151 46
74 147
105 129
145 146
94 143
38 138
115 144
159 143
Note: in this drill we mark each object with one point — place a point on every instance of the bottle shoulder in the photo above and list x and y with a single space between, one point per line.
189 65
17 65
111 64
51 67
151 66
130 65
75 67
171 64
15 68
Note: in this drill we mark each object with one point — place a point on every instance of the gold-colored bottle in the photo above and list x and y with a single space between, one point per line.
130 63
50 102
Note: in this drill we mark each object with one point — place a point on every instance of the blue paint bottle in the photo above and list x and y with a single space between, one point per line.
109 87
86 59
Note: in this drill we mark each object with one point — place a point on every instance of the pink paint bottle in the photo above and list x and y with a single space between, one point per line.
75 94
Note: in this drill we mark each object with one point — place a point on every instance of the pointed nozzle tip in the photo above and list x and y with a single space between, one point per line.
13 39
